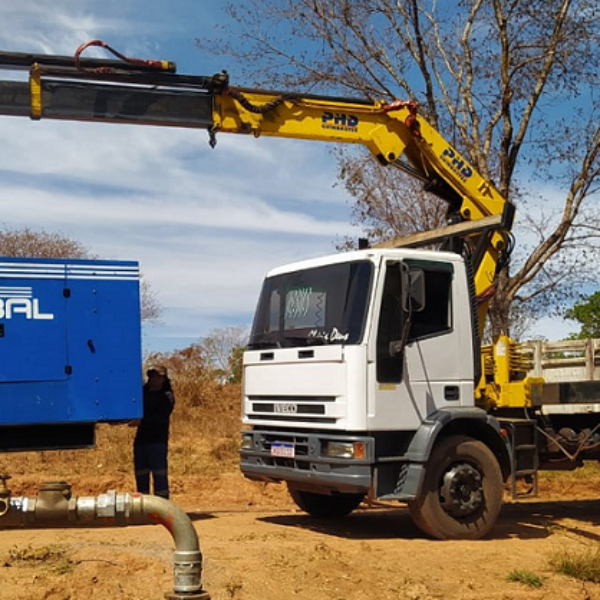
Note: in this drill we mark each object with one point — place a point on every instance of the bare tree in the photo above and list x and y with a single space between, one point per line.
150 307
223 351
388 204
28 243
511 83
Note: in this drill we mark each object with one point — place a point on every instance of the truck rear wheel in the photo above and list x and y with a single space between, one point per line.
323 505
462 492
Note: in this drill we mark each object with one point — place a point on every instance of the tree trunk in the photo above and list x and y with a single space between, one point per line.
499 310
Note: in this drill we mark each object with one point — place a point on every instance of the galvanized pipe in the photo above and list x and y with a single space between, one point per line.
55 507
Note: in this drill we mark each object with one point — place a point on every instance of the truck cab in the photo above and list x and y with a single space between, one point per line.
334 327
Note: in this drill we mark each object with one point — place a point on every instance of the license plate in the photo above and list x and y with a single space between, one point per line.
284 449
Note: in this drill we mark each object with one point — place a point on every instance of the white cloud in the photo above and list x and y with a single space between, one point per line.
205 224
60 26
552 329
47 27
130 177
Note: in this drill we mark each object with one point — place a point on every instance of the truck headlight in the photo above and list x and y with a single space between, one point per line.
247 442
345 450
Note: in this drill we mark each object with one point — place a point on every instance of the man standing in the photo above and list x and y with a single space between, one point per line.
150 447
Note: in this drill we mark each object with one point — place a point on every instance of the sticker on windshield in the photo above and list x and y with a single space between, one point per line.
335 335
305 307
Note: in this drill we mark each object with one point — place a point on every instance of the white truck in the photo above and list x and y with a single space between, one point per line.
360 379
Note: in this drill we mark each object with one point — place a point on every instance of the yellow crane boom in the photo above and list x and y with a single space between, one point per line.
151 92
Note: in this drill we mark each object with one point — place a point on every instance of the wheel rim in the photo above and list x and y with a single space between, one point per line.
461 492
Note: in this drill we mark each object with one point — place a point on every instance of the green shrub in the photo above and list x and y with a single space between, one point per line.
525 577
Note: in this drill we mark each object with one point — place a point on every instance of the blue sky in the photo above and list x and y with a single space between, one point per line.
204 224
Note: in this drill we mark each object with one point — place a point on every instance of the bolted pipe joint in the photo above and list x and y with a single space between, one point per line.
56 507
4 495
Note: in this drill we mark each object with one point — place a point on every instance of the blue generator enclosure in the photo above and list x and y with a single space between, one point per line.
70 349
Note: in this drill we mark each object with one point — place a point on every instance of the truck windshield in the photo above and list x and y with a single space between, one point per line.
325 305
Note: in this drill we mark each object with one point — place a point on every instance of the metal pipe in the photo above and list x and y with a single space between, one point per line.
55 507
24 61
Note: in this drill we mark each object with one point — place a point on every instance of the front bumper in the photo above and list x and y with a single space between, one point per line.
308 468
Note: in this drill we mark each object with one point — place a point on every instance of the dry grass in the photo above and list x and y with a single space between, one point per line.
583 565
54 558
589 469
204 441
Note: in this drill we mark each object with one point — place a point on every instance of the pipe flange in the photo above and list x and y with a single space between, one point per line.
201 595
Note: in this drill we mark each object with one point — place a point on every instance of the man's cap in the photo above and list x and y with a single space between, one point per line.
159 369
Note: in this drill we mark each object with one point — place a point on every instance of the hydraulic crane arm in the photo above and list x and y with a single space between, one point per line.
152 93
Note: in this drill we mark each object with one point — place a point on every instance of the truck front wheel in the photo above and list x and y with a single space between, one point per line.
462 491
323 505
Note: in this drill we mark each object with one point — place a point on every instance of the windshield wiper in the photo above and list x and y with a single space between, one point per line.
316 341
286 341
266 341
306 341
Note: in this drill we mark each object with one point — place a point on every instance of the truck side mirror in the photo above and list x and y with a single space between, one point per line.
412 298
413 289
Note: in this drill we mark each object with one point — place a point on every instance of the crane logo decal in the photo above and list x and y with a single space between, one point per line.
339 122
20 301
457 163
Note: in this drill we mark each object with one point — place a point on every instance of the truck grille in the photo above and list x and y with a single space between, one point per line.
303 409
302 447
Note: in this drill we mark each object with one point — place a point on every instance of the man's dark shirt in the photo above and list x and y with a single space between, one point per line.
154 426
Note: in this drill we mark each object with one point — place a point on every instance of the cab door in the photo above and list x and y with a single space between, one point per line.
417 367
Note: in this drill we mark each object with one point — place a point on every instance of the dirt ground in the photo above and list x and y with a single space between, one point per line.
257 545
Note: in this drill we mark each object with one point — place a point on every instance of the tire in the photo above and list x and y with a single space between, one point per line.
462 491
323 505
